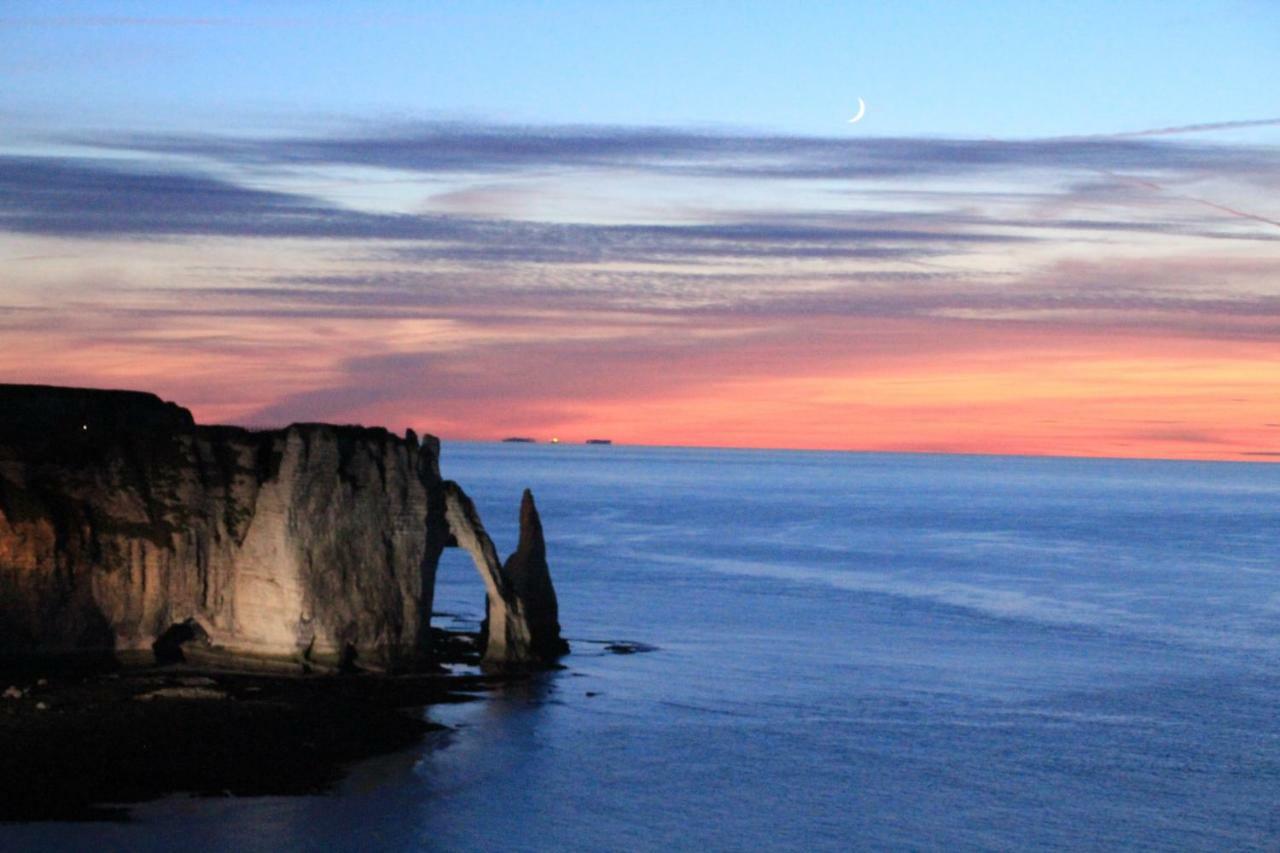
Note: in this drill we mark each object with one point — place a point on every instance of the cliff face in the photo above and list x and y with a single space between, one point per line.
121 518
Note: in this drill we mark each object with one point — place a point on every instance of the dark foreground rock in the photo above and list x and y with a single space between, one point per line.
82 746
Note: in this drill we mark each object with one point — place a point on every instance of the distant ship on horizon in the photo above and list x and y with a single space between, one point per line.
524 439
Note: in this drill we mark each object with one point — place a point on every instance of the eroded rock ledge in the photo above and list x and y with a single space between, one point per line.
123 521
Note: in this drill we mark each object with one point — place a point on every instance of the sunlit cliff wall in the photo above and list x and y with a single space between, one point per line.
120 518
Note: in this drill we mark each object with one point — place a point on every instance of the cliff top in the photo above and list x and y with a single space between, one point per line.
40 413
42 409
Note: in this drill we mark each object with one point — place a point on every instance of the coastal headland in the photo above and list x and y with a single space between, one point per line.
172 592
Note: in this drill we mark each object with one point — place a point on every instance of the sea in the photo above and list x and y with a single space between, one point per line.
834 651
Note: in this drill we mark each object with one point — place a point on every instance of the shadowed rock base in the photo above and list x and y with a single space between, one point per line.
83 744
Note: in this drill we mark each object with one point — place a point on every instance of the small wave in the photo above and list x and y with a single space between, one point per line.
1064 608
1003 603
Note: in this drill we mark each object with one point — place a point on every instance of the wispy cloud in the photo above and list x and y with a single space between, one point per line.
467 148
720 278
93 198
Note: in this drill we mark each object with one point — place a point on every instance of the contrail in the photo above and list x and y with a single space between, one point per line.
1152 185
1176 130
1196 128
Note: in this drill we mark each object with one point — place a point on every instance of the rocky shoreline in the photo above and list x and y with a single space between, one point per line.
84 742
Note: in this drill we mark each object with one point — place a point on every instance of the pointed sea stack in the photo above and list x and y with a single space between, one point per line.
527 575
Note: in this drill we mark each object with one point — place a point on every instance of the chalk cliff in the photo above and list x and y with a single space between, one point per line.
120 518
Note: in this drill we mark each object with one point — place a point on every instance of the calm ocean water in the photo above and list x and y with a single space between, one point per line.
850 651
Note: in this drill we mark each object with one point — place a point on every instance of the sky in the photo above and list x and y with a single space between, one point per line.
1055 231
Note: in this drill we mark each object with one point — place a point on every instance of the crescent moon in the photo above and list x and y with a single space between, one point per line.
862 110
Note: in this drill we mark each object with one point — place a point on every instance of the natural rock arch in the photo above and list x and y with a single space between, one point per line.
522 611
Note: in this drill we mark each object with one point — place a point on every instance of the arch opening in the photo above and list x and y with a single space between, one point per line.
458 610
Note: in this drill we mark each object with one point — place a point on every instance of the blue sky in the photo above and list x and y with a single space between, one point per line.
958 69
